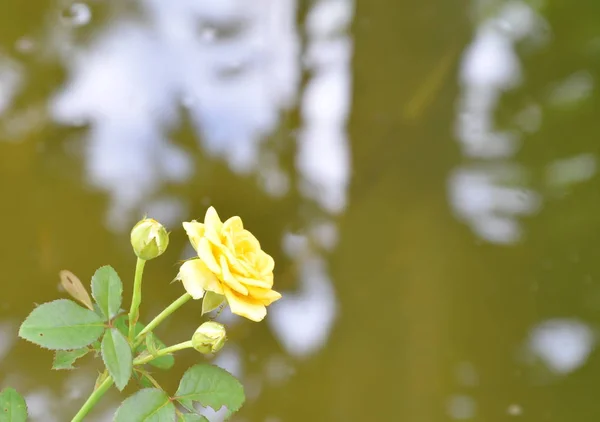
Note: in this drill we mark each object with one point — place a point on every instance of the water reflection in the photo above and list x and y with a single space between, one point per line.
230 70
303 321
77 14
128 86
11 80
461 407
170 107
563 345
488 191
323 153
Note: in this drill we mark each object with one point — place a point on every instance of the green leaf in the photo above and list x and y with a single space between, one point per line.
61 325
12 406
107 290
147 405
120 323
211 386
192 417
163 362
117 357
211 301
64 359
143 379
96 347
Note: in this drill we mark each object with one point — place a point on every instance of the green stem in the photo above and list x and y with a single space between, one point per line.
166 351
134 312
93 399
161 317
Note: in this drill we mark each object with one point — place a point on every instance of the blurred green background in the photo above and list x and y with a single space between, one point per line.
423 173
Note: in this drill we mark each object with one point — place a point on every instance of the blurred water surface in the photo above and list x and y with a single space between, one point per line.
424 174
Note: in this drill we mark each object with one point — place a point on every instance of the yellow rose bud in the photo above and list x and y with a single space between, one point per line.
149 239
230 263
209 337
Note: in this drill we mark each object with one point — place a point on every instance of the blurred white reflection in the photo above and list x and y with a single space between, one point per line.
11 79
233 65
238 74
572 90
304 319
8 331
514 410
323 153
461 407
122 89
490 67
77 14
569 171
42 406
563 345
484 198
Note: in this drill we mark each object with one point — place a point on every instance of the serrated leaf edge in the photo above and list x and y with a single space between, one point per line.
100 324
106 366
108 317
169 401
181 399
87 350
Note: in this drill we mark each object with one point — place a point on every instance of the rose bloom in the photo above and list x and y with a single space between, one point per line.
231 263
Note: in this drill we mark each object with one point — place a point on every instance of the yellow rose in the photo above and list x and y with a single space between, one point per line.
231 263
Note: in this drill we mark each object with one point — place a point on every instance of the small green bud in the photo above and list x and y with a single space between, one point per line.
209 337
149 239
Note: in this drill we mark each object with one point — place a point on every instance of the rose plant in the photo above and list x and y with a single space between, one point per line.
230 269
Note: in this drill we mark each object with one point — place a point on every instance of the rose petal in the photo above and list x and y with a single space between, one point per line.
229 279
249 271
197 278
211 218
234 264
228 241
265 282
245 306
264 263
246 242
233 224
206 254
195 232
265 296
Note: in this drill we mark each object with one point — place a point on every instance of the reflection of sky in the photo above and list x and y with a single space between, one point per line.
10 82
323 155
489 191
562 345
303 321
480 191
233 68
